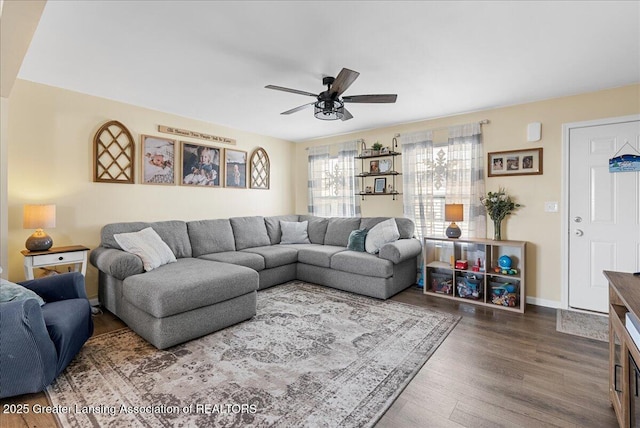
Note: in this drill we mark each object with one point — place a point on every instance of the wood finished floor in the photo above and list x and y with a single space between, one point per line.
495 369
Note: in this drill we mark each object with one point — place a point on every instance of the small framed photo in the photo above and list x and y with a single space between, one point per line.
385 151
380 185
235 163
385 165
200 165
158 160
515 162
374 167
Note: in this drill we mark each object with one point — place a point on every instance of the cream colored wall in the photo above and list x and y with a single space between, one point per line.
50 161
507 131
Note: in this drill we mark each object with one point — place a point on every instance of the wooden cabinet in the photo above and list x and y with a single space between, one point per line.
624 357
465 270
375 168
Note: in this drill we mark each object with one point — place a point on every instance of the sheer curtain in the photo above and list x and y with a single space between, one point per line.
332 181
418 180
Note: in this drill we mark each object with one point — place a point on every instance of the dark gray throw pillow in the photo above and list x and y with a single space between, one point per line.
357 239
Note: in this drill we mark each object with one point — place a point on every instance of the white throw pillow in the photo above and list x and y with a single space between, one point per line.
380 234
294 232
147 245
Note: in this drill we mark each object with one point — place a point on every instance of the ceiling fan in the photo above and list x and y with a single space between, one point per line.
328 104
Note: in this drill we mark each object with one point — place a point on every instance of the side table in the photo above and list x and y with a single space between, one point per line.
55 256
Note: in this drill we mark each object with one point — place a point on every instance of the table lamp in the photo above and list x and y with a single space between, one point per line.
38 217
453 213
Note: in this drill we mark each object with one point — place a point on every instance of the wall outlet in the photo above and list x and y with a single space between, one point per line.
551 207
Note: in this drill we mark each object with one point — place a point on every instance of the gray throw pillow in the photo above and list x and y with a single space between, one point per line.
10 292
294 232
147 245
357 239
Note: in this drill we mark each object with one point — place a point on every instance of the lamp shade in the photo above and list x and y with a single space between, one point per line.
39 216
453 212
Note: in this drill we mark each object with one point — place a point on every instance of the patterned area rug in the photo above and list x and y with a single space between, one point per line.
312 356
591 326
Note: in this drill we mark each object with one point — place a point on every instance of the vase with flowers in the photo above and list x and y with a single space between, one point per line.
498 205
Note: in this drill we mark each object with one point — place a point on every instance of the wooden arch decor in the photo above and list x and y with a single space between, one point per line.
113 154
260 169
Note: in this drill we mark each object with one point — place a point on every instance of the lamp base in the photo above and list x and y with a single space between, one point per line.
39 241
453 231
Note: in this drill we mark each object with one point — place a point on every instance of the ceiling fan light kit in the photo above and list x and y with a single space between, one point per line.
329 105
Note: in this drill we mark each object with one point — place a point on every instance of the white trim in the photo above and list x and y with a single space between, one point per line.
543 302
564 206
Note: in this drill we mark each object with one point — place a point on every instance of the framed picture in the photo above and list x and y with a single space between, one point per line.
374 167
385 165
158 160
235 162
200 165
385 151
515 162
379 185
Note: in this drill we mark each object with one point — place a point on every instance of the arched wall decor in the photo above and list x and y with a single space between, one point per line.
113 154
260 169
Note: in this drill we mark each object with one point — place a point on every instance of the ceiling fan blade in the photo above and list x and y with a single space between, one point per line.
293 110
343 81
379 98
293 91
347 115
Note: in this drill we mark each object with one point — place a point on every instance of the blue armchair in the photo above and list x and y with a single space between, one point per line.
38 342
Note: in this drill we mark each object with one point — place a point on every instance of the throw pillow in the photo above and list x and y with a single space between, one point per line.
380 234
10 292
294 232
147 245
356 240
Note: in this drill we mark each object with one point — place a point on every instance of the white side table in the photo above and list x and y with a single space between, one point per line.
75 255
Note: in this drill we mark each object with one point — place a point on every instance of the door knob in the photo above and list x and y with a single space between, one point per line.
577 219
578 232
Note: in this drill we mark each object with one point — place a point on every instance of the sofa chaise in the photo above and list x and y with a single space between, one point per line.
221 263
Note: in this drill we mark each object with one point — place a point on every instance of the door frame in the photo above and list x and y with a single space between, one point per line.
564 206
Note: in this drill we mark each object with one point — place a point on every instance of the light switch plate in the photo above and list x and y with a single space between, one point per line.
550 207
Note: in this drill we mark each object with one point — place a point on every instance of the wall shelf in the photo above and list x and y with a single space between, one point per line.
390 172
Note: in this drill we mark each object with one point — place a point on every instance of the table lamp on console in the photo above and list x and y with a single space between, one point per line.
453 213
39 217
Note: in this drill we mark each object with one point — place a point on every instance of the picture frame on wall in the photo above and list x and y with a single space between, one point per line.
236 168
201 165
515 162
158 160
379 185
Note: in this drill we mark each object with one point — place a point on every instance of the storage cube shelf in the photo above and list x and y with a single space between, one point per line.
478 282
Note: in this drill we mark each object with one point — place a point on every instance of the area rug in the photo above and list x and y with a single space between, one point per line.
312 356
591 326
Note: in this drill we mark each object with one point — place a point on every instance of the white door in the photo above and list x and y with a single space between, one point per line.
604 212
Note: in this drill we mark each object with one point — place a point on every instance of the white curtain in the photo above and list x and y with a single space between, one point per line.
418 180
332 181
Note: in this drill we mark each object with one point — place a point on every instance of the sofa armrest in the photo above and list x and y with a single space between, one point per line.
116 263
58 287
27 355
400 250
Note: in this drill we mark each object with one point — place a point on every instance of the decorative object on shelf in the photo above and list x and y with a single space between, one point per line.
375 148
200 165
453 213
626 162
374 167
368 189
260 169
236 168
379 185
505 262
366 152
113 154
390 188
385 165
158 160
498 205
39 216
385 151
515 162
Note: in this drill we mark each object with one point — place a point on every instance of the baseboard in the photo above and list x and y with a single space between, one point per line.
543 302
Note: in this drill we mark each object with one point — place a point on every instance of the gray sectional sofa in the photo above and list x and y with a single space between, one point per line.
221 264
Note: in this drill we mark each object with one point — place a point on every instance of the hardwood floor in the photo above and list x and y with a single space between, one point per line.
495 369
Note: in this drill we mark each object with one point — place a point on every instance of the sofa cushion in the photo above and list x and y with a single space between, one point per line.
147 245
188 284
250 260
338 230
356 240
318 255
249 232
362 264
273 226
317 228
210 236
380 234
173 233
275 255
406 227
294 232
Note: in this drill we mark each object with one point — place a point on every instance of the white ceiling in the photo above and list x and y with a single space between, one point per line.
210 60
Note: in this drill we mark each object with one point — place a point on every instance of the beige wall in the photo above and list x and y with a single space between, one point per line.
50 149
507 131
